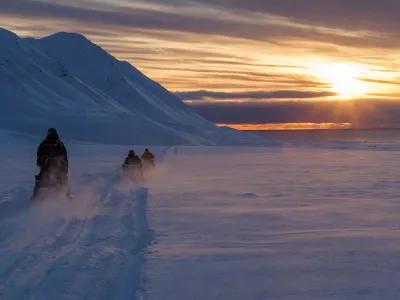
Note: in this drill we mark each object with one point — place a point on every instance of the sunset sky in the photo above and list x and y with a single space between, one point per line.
245 62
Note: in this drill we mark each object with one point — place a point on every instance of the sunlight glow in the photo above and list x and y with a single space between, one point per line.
344 78
288 126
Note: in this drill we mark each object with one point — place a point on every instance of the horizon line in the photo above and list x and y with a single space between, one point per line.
305 126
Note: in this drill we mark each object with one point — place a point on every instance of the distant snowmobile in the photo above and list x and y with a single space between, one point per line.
132 169
148 160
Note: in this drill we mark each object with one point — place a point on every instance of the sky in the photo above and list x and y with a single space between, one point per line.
245 62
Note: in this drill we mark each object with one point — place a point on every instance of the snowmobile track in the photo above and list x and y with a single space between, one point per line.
96 254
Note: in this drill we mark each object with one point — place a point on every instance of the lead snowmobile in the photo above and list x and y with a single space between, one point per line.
52 159
51 182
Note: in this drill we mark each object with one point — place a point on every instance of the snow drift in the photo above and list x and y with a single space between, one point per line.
66 81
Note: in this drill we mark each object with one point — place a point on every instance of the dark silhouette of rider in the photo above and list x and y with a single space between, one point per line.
51 157
133 165
132 160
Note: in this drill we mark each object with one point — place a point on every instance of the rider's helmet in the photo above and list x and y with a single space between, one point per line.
52 134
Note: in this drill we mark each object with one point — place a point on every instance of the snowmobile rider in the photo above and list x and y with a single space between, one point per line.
49 150
133 166
148 157
132 160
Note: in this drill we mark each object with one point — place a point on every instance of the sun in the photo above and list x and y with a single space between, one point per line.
343 77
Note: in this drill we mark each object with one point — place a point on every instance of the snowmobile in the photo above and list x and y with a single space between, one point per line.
148 160
132 174
50 182
148 164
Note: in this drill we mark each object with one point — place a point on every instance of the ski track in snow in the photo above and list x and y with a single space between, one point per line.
91 248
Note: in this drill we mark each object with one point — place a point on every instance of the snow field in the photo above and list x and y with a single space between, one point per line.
212 223
276 223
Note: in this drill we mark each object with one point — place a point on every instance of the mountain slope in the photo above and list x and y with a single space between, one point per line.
66 81
119 80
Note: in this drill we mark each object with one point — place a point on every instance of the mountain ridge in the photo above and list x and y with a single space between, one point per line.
66 81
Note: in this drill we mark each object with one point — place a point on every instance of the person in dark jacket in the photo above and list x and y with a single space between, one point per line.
51 157
132 160
148 158
133 165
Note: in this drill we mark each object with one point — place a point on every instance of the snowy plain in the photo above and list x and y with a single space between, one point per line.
288 222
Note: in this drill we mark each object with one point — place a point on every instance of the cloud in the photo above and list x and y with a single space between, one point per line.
362 23
261 95
227 45
394 81
221 20
364 112
362 15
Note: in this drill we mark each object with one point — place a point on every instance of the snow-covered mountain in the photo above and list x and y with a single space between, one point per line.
66 81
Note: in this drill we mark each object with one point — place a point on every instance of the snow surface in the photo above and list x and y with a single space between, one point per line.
66 81
276 223
90 248
211 223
